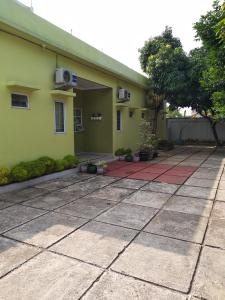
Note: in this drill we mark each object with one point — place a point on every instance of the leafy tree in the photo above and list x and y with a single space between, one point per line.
206 74
220 26
210 29
164 61
200 97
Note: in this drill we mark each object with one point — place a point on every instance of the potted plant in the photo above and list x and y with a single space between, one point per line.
155 145
91 168
149 142
128 151
136 156
101 167
120 153
129 157
145 153
83 167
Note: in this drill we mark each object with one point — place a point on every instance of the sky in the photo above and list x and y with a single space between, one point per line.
120 27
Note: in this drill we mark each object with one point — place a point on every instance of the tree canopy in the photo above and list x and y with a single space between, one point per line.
196 80
210 29
162 58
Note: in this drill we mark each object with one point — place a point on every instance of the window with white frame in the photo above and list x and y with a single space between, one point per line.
59 117
78 120
19 100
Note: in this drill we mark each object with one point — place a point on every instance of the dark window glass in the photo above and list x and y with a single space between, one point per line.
18 100
118 120
59 117
142 115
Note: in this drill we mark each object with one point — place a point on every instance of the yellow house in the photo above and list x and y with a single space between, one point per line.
38 117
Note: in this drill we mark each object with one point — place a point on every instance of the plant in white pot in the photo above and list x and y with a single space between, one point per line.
83 167
136 156
120 153
101 167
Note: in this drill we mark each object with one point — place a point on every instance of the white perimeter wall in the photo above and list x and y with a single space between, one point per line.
194 129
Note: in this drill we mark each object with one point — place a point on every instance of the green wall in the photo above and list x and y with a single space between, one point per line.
26 134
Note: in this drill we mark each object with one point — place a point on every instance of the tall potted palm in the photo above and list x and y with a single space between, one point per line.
149 142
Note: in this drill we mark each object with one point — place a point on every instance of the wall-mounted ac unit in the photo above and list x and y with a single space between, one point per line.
65 78
123 95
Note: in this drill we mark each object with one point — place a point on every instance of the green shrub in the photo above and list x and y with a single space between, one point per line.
49 164
4 175
34 168
19 173
60 165
128 151
120 152
70 161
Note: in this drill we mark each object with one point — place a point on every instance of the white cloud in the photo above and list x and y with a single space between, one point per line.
120 27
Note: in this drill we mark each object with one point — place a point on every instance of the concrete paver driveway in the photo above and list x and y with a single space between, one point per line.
151 230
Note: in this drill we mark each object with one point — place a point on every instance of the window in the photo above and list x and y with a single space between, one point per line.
19 100
78 122
59 117
142 115
119 120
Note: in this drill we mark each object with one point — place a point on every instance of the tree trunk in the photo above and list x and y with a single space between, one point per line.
213 127
155 120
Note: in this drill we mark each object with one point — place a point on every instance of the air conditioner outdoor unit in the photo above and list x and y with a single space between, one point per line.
123 95
65 78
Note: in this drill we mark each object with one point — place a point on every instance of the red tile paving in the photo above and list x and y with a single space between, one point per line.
153 170
150 171
185 168
114 174
163 167
172 179
120 173
116 165
179 173
132 167
143 176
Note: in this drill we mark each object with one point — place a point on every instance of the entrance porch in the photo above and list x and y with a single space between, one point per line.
93 129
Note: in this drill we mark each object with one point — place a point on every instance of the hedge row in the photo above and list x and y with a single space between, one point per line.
35 168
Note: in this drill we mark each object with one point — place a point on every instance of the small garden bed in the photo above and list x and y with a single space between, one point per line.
36 168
